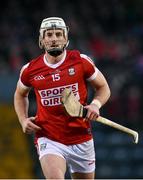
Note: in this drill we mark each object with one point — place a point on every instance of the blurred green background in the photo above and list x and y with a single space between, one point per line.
111 33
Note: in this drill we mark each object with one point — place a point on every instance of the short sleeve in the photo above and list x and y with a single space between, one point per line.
90 70
24 77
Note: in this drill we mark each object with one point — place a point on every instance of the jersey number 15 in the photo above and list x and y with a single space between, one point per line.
56 77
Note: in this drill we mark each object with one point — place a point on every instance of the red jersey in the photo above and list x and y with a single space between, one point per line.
48 81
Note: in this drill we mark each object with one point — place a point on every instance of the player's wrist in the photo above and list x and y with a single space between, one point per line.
97 103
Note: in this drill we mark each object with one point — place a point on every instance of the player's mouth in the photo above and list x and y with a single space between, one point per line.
55 46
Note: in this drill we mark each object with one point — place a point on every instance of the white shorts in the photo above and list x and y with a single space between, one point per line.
79 157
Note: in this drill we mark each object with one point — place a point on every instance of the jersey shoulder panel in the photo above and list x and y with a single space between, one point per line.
28 68
73 54
36 62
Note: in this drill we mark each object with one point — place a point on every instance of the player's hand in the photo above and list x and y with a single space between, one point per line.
92 112
29 126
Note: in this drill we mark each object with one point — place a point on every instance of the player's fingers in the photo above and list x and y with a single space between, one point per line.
91 114
35 127
27 130
32 118
32 129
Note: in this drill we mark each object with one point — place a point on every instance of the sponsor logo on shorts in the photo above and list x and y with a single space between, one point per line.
91 162
52 96
43 146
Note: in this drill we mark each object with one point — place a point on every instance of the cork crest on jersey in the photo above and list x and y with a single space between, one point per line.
71 71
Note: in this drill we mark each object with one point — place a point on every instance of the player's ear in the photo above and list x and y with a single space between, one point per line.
41 45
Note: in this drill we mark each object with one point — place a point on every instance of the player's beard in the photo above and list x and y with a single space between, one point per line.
55 48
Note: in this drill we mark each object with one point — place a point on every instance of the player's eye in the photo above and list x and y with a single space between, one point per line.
48 34
58 34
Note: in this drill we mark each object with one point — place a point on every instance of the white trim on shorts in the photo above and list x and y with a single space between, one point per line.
79 157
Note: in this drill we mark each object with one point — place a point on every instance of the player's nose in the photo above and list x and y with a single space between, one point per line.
54 37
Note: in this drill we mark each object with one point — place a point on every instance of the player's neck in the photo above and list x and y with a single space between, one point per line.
54 60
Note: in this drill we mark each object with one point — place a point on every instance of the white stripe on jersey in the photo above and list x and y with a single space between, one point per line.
22 85
93 76
87 58
24 67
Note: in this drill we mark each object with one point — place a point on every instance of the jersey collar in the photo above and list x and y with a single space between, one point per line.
57 64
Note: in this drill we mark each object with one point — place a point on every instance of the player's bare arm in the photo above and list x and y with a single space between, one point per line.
102 94
21 104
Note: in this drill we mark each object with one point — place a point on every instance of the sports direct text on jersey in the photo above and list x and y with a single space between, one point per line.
52 97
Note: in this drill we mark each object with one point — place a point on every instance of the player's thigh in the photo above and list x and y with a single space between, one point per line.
53 166
78 175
